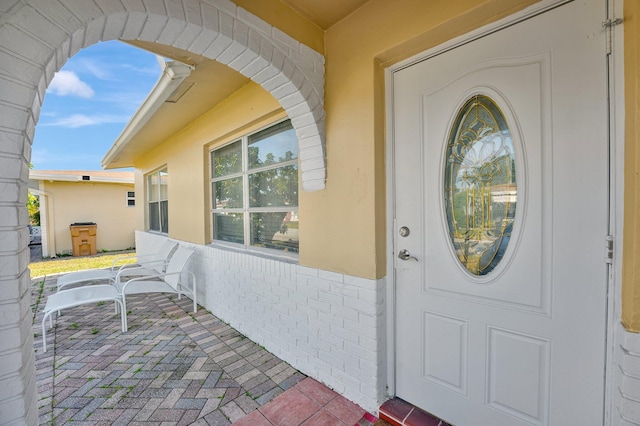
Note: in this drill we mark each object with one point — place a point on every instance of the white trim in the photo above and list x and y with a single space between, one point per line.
615 340
390 288
78 177
272 254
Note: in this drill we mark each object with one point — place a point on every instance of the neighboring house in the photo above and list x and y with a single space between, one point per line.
464 170
106 198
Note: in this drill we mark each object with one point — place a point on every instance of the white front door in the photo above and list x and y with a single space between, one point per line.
500 176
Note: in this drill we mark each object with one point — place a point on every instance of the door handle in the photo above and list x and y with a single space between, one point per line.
405 255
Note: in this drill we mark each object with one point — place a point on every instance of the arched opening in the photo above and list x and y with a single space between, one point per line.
38 39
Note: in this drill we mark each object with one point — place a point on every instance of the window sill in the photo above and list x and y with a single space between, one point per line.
263 253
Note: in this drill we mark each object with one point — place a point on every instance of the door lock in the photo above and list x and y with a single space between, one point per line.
405 255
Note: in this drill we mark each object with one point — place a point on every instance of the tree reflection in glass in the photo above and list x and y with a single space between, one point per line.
270 178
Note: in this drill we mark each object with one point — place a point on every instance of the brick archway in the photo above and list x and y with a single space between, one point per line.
37 39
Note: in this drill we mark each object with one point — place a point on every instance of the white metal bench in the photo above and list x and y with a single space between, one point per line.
147 265
169 281
81 296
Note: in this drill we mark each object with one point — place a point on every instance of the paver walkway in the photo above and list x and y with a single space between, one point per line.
172 367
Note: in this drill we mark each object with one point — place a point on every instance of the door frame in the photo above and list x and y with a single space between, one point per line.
612 8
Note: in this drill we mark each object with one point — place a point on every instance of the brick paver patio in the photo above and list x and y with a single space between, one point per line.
171 367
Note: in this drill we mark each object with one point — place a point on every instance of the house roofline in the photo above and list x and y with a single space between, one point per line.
173 74
82 176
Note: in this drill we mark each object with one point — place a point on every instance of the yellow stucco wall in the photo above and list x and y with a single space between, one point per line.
631 241
344 225
343 228
186 157
102 203
289 21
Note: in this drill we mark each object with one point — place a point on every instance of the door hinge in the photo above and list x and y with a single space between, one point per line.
612 22
608 26
609 252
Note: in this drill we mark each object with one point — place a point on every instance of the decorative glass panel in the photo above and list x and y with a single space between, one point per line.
275 230
480 185
273 145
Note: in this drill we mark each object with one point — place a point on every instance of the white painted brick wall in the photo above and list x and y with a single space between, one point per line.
253 21
626 389
17 393
328 325
39 36
225 5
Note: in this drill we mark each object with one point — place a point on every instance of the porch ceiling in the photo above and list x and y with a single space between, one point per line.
324 13
207 85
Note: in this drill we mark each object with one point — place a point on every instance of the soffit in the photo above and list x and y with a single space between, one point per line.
209 83
325 13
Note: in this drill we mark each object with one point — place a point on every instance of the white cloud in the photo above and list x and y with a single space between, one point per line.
93 66
43 159
113 70
66 83
80 120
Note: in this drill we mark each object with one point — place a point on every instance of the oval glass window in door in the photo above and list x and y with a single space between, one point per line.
480 185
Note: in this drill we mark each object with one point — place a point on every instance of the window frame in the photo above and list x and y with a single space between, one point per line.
164 169
129 198
246 210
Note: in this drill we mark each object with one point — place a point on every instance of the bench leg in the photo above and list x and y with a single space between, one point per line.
125 325
119 305
44 330
123 315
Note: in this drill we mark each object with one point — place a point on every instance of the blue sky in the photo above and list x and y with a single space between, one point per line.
89 102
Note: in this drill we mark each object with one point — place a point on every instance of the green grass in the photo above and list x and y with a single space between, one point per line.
69 264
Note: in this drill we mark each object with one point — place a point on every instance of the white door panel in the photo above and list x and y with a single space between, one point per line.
521 283
524 343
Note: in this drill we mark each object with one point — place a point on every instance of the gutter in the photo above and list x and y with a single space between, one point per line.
82 177
173 74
